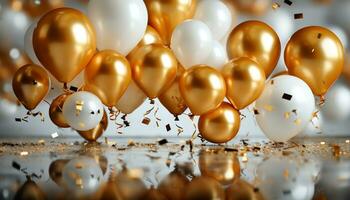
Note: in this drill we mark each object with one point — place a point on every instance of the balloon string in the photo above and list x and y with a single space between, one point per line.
194 135
322 100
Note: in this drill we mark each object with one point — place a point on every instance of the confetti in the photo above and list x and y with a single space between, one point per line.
347 141
244 158
275 5
78 107
268 108
151 101
336 150
298 16
162 142
16 165
286 115
287 96
24 153
54 135
73 88
41 141
288 2
319 35
256 112
322 143
297 121
146 120
18 119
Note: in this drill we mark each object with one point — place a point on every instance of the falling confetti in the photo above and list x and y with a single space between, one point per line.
298 16
288 2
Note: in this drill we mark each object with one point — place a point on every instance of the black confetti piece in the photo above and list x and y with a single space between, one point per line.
162 142
168 128
287 96
288 2
126 123
319 35
151 101
92 112
18 119
146 120
298 16
256 112
16 165
73 88
176 118
124 117
286 192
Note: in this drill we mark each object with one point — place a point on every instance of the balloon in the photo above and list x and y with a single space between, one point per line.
132 98
251 7
256 40
216 15
287 104
221 165
203 89
83 111
108 191
240 189
164 16
119 24
245 81
35 9
314 127
30 84
315 55
171 98
174 185
55 111
82 175
337 107
219 125
204 188
64 42
93 134
55 170
28 43
30 190
107 75
218 56
154 69
151 36
192 43
154 194
130 185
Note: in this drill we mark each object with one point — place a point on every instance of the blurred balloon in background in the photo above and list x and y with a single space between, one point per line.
337 106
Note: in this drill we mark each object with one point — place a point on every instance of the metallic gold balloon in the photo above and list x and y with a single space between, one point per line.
204 188
316 55
55 170
35 8
240 189
30 190
64 42
151 36
132 98
174 185
221 165
93 134
107 75
171 98
55 111
255 40
30 84
220 125
245 81
154 68
165 15
203 89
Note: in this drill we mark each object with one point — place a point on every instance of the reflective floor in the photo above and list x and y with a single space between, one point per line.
174 169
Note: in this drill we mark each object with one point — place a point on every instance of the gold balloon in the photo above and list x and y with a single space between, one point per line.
130 185
220 125
30 85
171 98
165 15
221 165
245 81
240 190
151 36
132 98
64 42
33 8
204 188
203 89
108 75
154 194
93 134
30 190
255 40
346 69
108 191
55 111
174 185
154 68
316 55
55 170
251 7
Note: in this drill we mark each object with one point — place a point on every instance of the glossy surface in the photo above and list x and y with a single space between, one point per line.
220 125
245 81
93 134
64 42
30 84
55 111
316 55
255 40
108 75
154 69
203 89
165 15
132 98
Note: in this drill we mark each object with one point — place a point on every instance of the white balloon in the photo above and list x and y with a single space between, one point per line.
285 107
216 15
83 111
218 56
28 43
119 24
341 35
337 106
191 42
82 175
282 178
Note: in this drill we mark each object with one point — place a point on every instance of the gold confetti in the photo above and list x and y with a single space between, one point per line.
275 5
41 141
287 115
268 108
245 158
297 121
24 153
78 107
336 150
322 143
286 174
347 141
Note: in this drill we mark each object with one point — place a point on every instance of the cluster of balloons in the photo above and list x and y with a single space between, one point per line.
130 50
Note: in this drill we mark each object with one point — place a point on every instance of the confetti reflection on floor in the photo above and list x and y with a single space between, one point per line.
142 168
